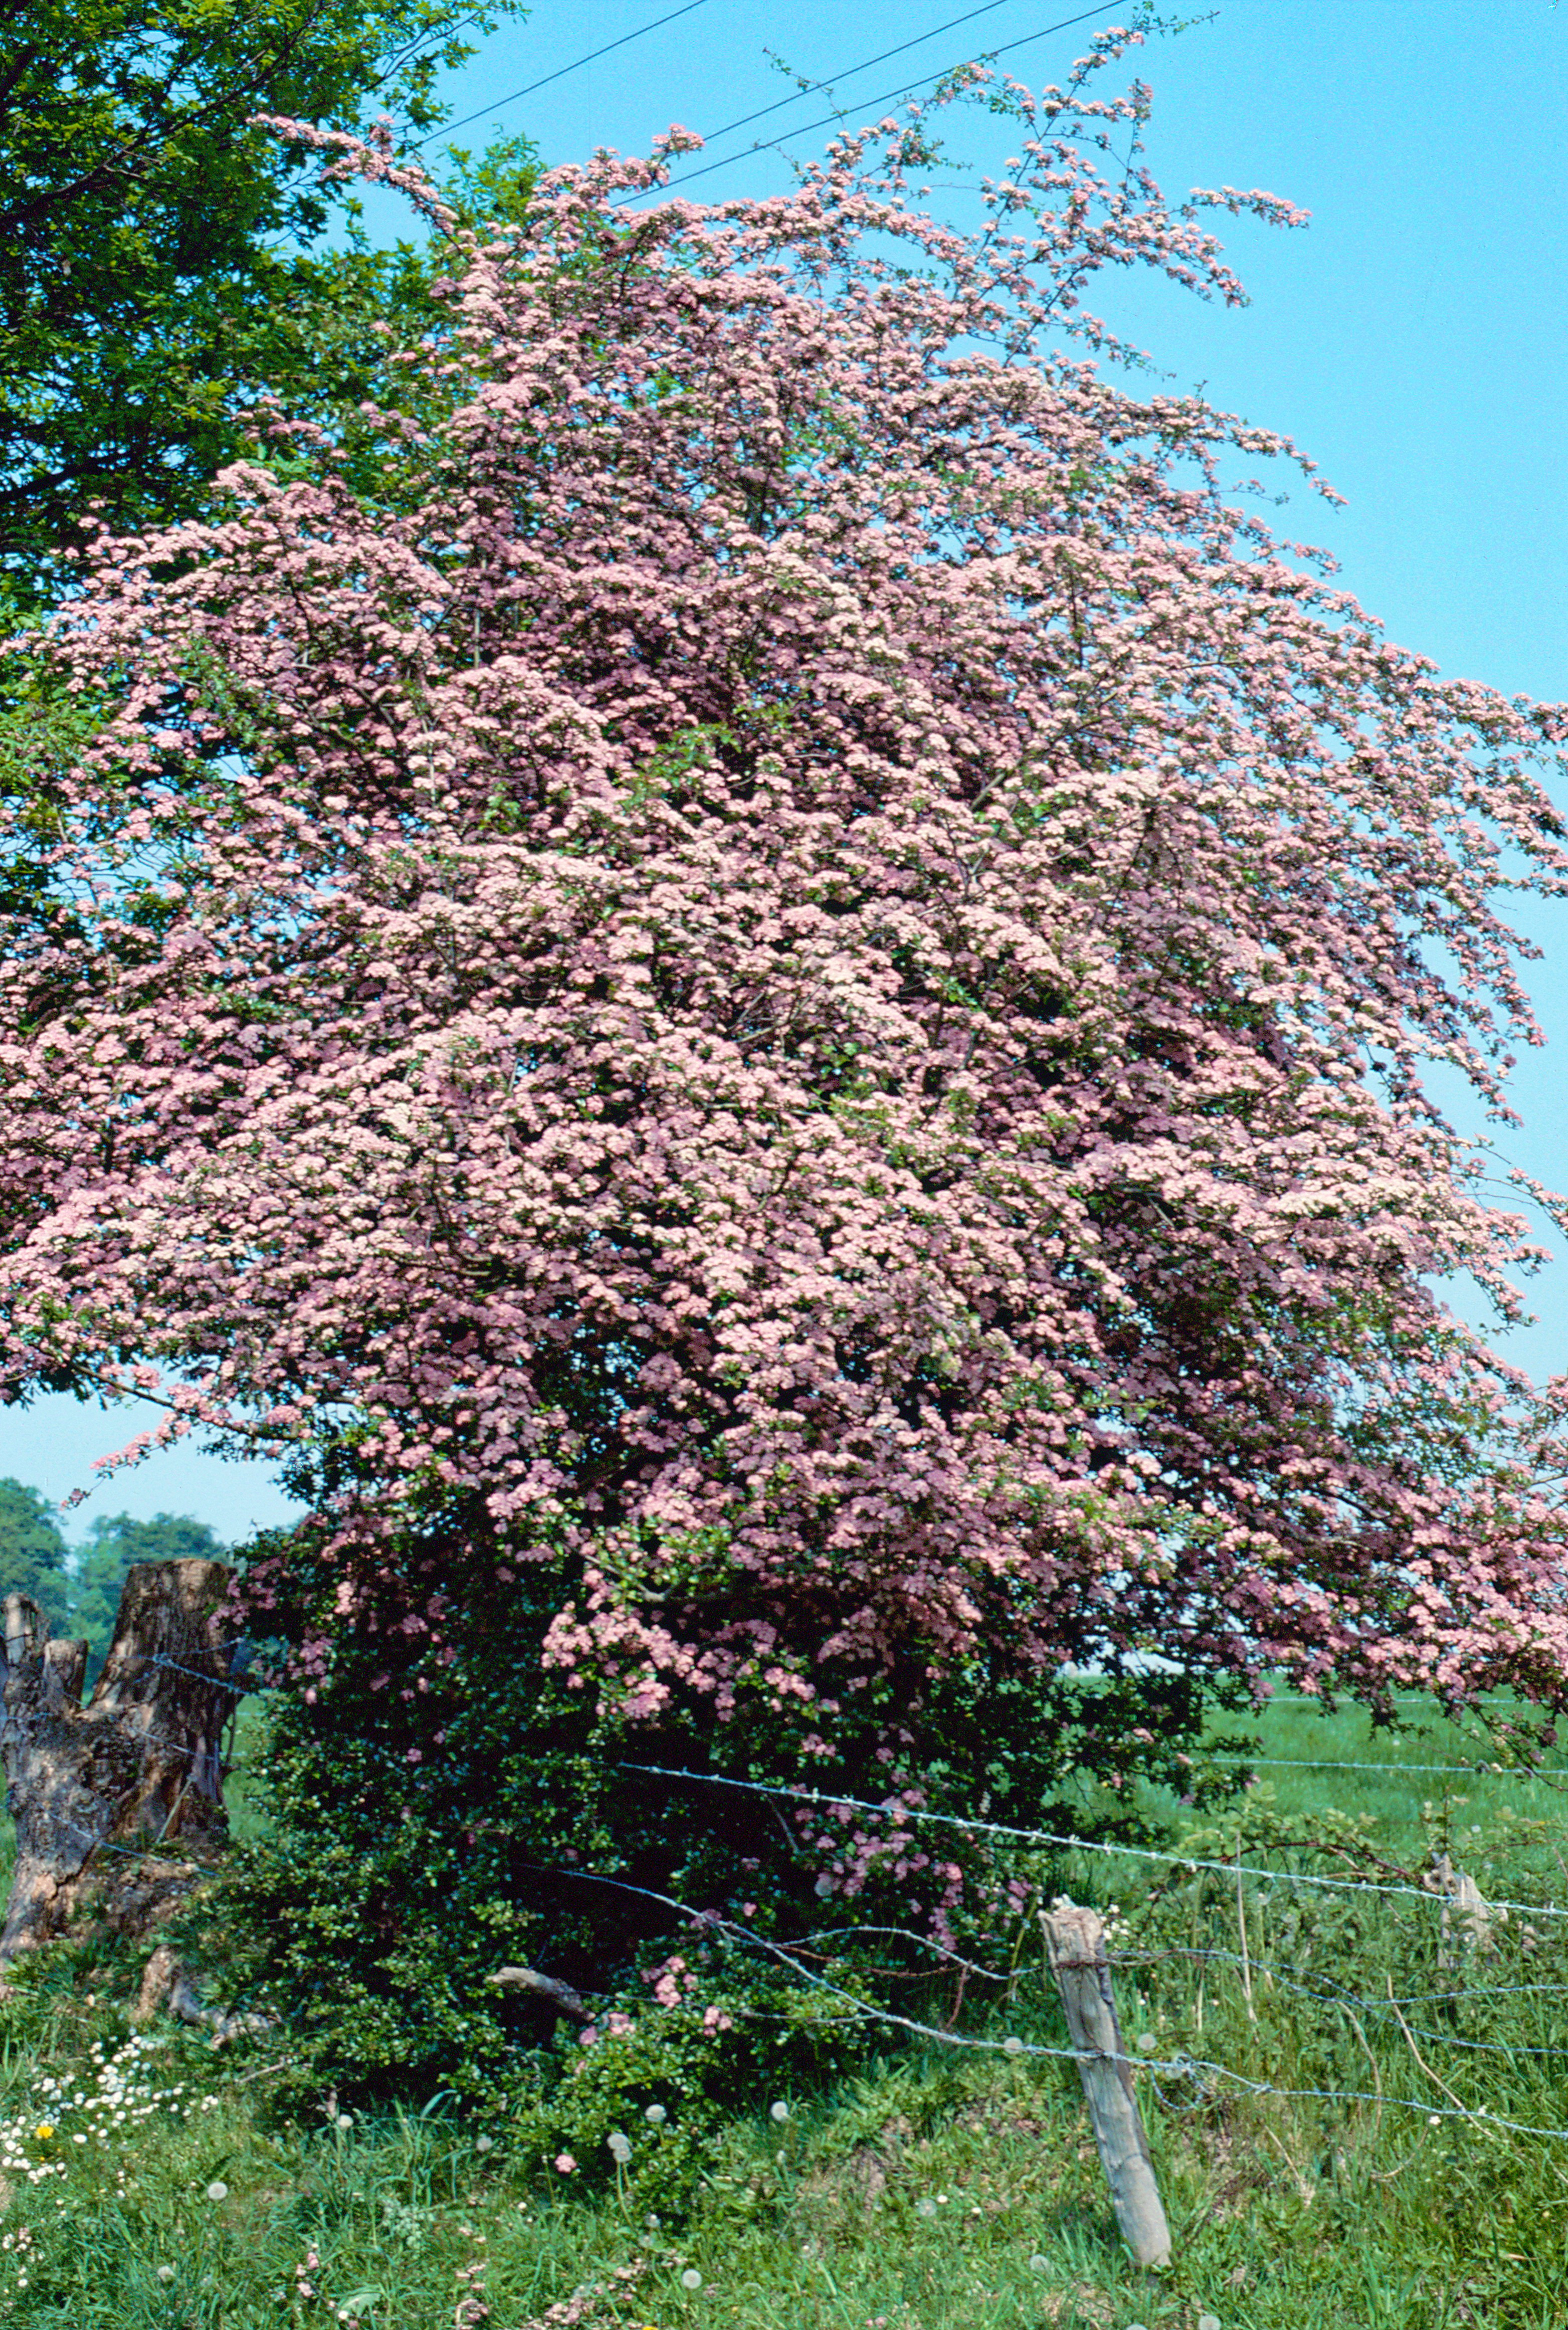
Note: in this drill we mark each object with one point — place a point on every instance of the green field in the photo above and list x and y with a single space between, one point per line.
947 2187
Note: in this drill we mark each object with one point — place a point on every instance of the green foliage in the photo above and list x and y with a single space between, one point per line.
32 1552
99 1567
155 245
637 2103
384 1891
379 1963
442 1803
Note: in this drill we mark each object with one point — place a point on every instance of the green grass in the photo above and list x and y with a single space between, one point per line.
944 2189
1294 1727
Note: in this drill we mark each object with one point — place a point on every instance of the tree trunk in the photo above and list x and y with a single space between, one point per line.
100 1792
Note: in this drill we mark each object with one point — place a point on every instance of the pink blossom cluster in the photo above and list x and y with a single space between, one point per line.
672 1981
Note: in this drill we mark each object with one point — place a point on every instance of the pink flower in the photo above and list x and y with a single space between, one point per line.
565 2164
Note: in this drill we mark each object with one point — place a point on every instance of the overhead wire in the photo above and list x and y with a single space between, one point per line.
808 89
867 105
561 72
847 72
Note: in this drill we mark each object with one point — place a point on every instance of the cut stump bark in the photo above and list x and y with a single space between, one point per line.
118 1804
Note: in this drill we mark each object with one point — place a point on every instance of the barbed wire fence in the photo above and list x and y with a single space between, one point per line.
897 1809
1188 2081
1199 2069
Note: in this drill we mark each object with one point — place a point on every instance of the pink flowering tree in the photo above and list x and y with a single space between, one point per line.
775 1016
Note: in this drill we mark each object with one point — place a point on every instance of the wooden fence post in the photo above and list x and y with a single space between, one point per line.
1075 1941
1466 1911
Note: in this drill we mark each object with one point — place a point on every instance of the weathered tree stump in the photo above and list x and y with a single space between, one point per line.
100 1793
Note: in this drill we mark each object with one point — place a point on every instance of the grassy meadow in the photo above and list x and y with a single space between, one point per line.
145 2182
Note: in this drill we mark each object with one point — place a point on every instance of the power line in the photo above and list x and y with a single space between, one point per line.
847 72
576 66
890 97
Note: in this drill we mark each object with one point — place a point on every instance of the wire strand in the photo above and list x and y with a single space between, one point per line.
576 66
865 105
1338 1995
1493 1771
218 1683
1081 1843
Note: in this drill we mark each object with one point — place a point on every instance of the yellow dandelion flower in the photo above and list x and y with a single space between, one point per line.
44 2131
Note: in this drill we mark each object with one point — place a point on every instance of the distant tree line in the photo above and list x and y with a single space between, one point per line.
78 1588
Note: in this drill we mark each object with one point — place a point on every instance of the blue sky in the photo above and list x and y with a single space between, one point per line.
1414 340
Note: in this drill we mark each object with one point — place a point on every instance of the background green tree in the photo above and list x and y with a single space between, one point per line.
165 263
32 1552
158 247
